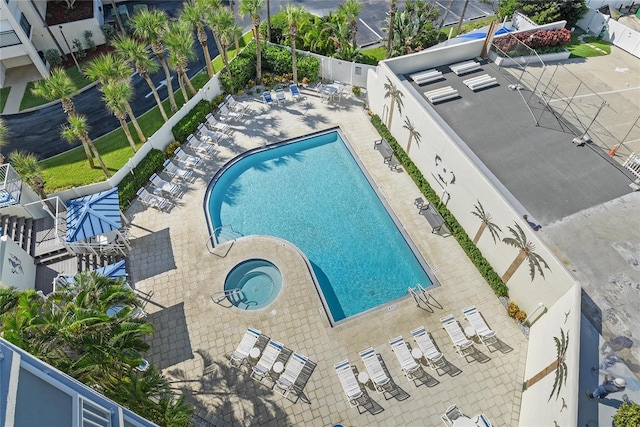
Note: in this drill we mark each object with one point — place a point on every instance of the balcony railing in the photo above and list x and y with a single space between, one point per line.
9 38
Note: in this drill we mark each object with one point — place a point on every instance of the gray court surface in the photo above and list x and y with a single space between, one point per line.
541 167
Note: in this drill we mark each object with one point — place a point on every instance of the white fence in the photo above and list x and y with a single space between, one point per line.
330 69
614 32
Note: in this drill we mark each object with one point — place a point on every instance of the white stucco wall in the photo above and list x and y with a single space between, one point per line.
538 408
473 182
18 268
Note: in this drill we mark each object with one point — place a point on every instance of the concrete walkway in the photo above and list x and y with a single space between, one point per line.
193 337
14 99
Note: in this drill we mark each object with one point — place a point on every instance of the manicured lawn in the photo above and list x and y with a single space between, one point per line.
71 168
582 49
4 94
374 55
29 100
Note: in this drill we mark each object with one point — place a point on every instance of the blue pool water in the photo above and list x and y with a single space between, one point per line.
313 193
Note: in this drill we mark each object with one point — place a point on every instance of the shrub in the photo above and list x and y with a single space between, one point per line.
541 40
77 45
627 415
189 123
279 28
521 316
513 309
215 102
88 40
277 59
356 90
474 254
308 67
53 57
130 184
171 149
108 31
243 69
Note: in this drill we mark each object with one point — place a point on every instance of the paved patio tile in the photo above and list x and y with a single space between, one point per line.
193 336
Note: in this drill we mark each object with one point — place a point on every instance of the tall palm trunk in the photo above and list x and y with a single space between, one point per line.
96 154
89 154
182 86
218 45
268 20
125 127
522 255
158 50
152 85
476 238
202 38
68 107
392 15
187 81
292 36
256 26
141 136
225 59
117 15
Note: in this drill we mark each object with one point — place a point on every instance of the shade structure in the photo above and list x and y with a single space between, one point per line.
92 215
482 33
113 271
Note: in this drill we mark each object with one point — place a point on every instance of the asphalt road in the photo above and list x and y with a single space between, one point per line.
39 131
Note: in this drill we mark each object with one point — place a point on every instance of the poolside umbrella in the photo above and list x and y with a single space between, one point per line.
92 215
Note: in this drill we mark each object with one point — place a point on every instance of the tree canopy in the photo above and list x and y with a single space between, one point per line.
545 12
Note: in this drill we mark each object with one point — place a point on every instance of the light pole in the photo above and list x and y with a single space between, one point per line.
69 47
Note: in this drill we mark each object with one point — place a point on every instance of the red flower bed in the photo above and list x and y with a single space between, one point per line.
534 40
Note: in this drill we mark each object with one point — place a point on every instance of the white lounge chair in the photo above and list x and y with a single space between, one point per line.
267 98
376 373
268 358
292 370
165 187
280 96
215 125
295 92
429 350
401 350
227 114
186 159
240 107
460 342
153 201
451 414
175 171
486 335
200 147
246 344
349 382
210 136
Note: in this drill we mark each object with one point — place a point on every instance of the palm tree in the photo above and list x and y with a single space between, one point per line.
526 251
392 14
225 24
253 8
294 16
29 169
180 44
350 9
77 129
107 68
391 91
135 53
486 223
115 96
413 133
237 35
192 14
211 19
151 26
57 86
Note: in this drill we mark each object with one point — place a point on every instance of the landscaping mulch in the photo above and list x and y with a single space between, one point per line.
58 11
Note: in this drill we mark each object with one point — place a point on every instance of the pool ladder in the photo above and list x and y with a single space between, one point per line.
419 294
227 295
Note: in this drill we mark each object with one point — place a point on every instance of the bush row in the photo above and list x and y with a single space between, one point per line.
276 60
189 123
452 223
130 184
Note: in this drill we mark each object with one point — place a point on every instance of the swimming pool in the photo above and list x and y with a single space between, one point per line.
313 193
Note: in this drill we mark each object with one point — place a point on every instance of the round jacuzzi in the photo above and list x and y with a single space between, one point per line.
253 284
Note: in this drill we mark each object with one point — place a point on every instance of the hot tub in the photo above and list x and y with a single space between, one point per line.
253 284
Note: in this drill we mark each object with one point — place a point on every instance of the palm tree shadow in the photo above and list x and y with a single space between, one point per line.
221 392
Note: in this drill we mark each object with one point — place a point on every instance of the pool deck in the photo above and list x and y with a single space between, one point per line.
174 270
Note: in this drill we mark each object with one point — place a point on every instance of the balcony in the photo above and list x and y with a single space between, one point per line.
9 38
10 186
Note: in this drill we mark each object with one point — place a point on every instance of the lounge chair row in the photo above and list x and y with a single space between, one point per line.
285 382
462 344
294 93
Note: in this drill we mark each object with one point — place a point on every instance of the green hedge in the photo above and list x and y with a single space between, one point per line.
189 123
454 227
131 183
277 59
309 67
